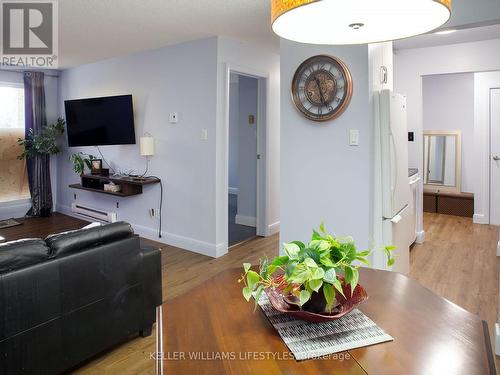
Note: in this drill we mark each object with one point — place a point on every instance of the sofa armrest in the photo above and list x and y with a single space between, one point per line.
151 276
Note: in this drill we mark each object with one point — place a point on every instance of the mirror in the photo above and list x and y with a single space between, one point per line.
442 160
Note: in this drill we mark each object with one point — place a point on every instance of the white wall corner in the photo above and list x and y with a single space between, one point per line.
273 228
233 190
420 237
249 221
479 219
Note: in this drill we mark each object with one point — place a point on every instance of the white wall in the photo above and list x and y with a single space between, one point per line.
243 57
322 177
234 117
448 104
247 147
19 209
409 67
179 78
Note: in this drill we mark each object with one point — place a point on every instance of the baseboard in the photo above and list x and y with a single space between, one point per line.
233 190
248 221
185 243
14 209
479 219
273 228
420 237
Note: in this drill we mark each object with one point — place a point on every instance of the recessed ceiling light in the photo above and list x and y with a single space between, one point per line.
356 22
445 32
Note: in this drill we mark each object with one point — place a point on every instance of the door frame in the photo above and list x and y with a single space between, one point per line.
261 123
484 82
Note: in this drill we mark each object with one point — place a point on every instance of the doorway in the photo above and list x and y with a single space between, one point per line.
243 158
495 156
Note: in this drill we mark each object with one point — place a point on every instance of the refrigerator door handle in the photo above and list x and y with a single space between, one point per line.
394 164
398 217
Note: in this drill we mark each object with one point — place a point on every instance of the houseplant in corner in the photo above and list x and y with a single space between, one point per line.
317 281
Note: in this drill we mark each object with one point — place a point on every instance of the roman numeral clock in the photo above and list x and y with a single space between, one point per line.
322 88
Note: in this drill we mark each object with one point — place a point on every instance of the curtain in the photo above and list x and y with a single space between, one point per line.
39 166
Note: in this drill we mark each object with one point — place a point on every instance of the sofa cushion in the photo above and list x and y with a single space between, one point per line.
73 241
22 253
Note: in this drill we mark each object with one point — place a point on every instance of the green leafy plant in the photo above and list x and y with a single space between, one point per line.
324 265
80 161
43 143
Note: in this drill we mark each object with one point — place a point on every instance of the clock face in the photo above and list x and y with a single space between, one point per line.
322 88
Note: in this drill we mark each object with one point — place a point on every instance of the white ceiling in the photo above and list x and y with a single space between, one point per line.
91 30
459 36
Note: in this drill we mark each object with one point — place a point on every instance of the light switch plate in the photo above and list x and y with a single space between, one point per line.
204 134
354 137
173 117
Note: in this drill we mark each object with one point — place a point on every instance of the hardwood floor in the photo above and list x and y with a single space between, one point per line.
457 261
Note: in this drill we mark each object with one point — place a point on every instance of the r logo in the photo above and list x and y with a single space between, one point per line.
28 28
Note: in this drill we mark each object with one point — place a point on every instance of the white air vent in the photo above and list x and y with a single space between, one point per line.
90 213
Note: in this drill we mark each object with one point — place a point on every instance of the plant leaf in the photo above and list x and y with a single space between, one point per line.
304 297
252 279
299 244
280 261
260 289
330 276
246 266
338 286
354 280
315 284
309 262
292 250
317 273
329 294
247 293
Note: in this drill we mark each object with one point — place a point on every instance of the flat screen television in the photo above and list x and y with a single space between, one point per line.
100 121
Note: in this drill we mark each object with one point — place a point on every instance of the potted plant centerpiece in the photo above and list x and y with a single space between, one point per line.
316 281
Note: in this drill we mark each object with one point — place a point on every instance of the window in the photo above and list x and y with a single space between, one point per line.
13 174
12 107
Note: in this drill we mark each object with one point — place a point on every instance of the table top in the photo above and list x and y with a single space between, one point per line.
213 330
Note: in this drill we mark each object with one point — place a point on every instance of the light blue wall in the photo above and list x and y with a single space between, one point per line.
180 78
322 177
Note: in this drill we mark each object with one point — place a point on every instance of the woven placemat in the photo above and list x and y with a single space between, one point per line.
308 340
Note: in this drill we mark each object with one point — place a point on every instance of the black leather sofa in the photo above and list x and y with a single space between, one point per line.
74 295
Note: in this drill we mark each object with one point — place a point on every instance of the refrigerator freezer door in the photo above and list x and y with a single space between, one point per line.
396 191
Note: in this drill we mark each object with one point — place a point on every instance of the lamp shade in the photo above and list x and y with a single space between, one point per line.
338 22
147 145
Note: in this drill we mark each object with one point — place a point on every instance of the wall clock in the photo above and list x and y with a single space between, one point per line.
322 88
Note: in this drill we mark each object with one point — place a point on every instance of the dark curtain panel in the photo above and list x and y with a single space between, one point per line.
39 166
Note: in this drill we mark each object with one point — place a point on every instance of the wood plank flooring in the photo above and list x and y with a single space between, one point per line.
457 261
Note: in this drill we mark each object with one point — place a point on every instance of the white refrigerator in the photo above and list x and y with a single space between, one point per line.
392 198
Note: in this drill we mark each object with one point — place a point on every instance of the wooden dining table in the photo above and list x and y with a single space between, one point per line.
213 330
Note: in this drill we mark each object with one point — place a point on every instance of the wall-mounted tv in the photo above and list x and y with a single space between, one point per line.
100 121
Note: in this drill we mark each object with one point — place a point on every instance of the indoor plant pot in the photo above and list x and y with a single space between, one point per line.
317 281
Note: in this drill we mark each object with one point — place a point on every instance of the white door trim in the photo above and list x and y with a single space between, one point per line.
483 84
263 189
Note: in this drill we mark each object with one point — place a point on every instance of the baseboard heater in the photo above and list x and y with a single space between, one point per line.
90 213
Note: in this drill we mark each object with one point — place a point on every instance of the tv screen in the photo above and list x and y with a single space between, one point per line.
100 121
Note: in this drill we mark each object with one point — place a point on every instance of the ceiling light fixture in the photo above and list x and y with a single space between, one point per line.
445 32
356 21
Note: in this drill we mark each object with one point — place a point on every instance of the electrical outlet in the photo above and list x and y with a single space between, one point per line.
154 212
